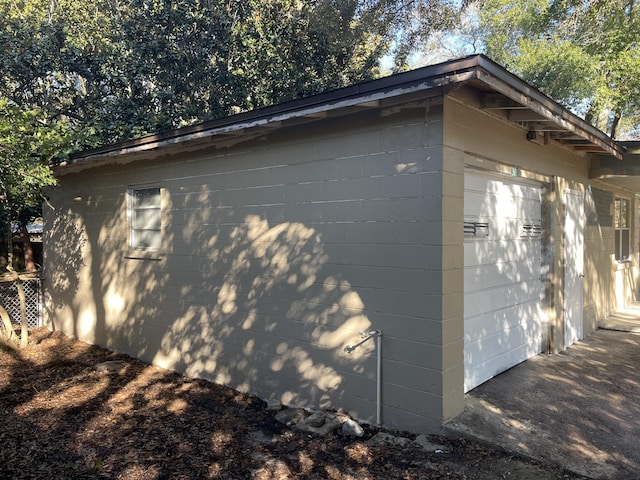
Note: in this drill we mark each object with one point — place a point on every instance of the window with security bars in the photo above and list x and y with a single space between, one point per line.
622 227
145 218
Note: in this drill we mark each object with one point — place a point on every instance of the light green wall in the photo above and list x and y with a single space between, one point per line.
276 253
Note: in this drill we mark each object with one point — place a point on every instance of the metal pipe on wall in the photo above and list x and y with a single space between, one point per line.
350 348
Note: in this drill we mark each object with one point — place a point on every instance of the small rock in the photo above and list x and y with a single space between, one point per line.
382 438
426 444
316 420
292 447
319 423
291 416
111 366
352 428
273 404
262 438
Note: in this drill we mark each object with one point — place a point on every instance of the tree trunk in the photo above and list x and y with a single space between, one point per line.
25 238
7 325
9 247
615 124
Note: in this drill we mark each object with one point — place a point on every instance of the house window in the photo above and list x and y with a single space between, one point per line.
145 218
622 226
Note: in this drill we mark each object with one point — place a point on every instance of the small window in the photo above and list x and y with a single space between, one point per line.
622 226
145 218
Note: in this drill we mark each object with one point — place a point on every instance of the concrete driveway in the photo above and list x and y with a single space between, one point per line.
579 409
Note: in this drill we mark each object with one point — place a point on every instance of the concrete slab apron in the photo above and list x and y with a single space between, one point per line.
579 409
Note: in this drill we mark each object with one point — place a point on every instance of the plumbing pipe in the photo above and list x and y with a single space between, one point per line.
350 348
379 379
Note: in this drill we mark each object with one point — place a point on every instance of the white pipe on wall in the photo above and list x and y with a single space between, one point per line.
350 348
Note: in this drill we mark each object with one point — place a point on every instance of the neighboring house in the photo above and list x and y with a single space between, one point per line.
469 218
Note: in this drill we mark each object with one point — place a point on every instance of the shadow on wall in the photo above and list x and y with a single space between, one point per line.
256 313
66 239
233 299
503 266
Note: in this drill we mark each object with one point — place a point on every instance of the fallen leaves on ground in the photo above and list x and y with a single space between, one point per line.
62 419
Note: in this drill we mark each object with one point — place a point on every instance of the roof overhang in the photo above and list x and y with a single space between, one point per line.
502 94
622 173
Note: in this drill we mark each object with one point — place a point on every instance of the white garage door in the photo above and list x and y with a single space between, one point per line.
502 274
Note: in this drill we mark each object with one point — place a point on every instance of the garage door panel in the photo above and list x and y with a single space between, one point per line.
494 366
492 185
486 301
487 252
493 323
502 207
502 275
490 346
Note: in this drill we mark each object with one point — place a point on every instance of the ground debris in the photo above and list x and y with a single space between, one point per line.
63 419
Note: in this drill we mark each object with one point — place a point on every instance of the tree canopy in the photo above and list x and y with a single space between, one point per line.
76 75
583 54
117 69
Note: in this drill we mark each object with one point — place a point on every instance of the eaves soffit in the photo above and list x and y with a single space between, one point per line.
623 172
543 121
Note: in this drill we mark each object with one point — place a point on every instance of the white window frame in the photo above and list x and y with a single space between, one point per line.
145 218
622 228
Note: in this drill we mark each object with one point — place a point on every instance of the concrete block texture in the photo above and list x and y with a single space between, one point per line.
275 256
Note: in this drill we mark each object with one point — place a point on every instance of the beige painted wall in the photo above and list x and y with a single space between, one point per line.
481 141
276 253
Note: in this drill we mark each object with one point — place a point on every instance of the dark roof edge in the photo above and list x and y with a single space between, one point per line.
632 146
392 85
502 73
328 98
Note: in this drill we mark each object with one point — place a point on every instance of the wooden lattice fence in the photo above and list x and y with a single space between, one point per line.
10 301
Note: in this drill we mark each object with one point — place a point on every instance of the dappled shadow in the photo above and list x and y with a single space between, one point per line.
579 408
275 254
68 244
65 420
502 277
259 292
230 297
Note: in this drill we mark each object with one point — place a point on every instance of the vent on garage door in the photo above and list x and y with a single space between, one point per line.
531 230
476 229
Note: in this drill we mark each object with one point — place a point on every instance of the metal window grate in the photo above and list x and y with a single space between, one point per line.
11 302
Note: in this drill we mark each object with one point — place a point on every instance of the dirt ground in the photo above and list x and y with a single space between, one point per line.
62 419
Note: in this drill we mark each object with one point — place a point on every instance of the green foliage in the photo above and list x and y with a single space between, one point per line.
582 53
117 69
28 140
76 75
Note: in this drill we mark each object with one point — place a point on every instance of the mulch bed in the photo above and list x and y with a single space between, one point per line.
62 419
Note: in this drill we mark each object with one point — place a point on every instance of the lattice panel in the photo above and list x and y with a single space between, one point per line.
10 301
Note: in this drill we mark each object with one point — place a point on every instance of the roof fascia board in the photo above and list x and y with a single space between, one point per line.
317 107
521 92
236 130
435 79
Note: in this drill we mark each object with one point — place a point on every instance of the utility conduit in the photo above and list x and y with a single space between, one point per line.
350 348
